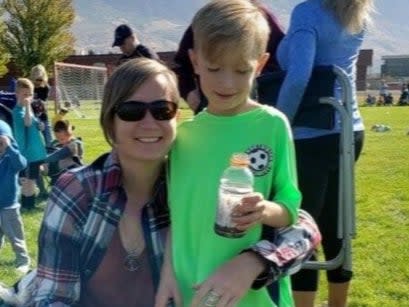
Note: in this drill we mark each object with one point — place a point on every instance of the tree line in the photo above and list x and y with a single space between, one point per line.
35 32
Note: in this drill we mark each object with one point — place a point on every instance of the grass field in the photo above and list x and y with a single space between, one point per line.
381 247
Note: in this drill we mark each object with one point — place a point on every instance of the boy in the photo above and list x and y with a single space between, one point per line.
27 131
11 224
68 150
230 39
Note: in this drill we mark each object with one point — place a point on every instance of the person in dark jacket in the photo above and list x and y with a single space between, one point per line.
130 46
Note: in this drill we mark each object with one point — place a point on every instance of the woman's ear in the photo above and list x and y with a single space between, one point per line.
193 59
262 62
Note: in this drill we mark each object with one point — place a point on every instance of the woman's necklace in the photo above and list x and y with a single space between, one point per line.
132 240
133 261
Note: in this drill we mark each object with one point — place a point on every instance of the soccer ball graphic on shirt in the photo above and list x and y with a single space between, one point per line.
260 159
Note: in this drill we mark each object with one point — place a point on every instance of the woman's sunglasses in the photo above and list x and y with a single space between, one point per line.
131 111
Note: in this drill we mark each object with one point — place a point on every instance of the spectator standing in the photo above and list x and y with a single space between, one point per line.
321 32
39 77
130 46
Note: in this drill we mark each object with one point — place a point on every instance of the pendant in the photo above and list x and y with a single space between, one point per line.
133 262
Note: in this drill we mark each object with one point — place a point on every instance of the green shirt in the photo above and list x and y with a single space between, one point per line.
200 155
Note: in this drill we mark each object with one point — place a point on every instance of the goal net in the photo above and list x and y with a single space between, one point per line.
79 88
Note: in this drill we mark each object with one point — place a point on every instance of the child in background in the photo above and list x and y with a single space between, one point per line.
27 132
11 224
230 38
68 150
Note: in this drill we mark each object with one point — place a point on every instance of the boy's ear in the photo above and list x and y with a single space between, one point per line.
262 62
193 59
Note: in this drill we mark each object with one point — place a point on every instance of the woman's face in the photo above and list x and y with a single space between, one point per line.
147 139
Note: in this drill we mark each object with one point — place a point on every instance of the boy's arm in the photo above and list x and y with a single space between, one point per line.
17 160
58 276
265 262
28 115
284 250
285 190
281 207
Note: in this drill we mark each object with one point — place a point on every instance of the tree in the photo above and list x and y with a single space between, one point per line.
38 32
4 56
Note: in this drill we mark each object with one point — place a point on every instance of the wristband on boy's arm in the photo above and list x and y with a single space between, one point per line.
268 275
287 249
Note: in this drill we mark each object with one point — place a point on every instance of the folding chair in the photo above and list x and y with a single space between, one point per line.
317 110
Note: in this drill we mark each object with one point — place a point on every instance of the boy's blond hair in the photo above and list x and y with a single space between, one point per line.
24 83
223 27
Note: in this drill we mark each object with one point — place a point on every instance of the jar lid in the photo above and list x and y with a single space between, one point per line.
240 159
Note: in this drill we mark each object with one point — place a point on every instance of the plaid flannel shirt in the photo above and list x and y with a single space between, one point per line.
83 211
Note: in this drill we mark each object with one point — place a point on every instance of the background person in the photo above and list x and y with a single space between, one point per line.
130 46
11 222
321 32
67 149
39 77
27 132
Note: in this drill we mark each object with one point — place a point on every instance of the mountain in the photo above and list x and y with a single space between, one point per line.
160 23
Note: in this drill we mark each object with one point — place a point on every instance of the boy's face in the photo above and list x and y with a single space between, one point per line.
227 83
24 96
63 137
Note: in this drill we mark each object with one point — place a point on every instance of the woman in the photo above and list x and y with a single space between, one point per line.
102 237
103 225
39 78
321 32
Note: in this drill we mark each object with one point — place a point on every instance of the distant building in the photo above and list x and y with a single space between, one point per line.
396 66
365 59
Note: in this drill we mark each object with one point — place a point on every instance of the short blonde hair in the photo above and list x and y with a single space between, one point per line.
39 72
224 27
125 80
24 83
354 15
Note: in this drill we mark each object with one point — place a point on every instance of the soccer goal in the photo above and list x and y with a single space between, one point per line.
79 88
